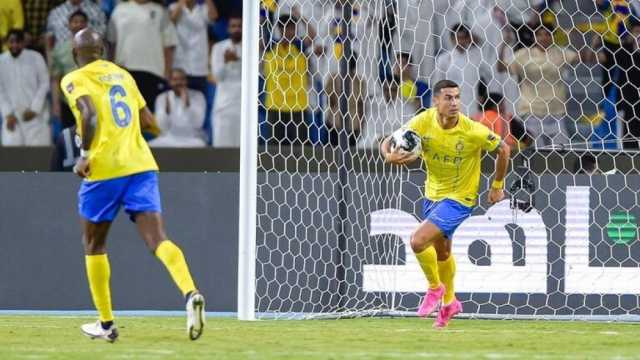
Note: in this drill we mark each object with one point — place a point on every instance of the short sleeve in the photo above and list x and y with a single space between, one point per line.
73 88
487 139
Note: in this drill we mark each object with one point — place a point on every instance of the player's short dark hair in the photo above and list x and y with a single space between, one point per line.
287 20
444 84
18 33
79 13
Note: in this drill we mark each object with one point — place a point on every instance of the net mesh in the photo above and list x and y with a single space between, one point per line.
334 222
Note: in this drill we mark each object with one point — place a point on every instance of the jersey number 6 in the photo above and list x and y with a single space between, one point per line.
119 109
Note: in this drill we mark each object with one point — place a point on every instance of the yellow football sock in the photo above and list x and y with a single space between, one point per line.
173 259
428 260
447 270
99 273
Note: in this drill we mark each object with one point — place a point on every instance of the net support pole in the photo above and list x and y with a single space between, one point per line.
248 162
346 163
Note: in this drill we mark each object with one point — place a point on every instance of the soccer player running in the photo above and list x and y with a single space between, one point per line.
452 146
118 170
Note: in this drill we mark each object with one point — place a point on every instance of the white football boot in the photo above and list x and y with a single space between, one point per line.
95 331
195 315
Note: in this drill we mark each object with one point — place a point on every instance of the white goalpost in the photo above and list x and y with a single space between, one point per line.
325 225
248 162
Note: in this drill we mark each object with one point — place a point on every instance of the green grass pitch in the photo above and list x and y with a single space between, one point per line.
59 337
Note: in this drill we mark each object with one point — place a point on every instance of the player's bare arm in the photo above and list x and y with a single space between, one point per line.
146 117
148 121
395 155
496 193
88 118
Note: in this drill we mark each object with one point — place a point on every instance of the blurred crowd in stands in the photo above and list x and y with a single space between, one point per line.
327 75
518 63
181 53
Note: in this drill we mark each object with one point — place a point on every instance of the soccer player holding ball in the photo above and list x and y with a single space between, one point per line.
118 170
451 149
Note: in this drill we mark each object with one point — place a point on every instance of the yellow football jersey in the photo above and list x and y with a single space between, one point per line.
452 156
118 148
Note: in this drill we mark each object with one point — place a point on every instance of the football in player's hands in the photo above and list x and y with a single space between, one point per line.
407 140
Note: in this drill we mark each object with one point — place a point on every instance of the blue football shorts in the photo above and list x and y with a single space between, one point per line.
446 214
100 201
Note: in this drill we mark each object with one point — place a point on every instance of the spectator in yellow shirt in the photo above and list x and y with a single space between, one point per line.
286 73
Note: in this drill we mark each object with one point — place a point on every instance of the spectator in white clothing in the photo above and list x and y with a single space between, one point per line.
144 40
180 114
191 20
464 65
24 83
226 70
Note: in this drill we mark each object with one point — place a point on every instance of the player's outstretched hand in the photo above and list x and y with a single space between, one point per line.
495 195
82 168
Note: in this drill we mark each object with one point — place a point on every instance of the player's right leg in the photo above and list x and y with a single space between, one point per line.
98 204
422 241
98 274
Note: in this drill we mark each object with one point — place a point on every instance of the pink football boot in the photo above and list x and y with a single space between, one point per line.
431 300
446 313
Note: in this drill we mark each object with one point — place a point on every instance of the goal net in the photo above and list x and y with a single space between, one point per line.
556 79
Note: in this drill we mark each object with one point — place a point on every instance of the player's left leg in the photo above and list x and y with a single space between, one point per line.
152 231
142 202
447 271
446 267
448 215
